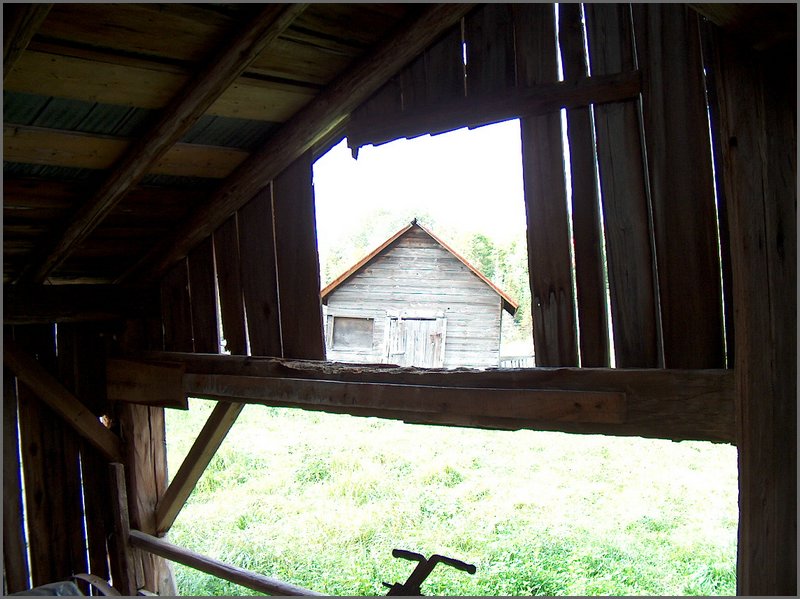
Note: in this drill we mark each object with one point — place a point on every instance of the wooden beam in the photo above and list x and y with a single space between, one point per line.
205 446
42 304
668 404
47 388
177 118
474 111
251 580
20 23
523 404
302 131
151 384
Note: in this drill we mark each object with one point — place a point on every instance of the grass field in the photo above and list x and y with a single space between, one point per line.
320 501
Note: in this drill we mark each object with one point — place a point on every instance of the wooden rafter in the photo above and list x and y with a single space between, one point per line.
20 23
50 390
184 111
301 132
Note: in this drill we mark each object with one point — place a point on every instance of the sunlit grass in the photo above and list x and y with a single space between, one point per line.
320 501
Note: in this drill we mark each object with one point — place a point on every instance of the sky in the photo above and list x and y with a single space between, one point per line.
470 179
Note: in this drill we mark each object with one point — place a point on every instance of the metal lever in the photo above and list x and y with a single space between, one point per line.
411 587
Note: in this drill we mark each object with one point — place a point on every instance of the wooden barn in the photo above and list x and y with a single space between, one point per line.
159 242
414 301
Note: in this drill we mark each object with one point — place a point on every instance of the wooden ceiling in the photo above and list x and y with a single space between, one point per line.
132 130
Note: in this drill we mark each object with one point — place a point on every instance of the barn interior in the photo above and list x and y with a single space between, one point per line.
158 200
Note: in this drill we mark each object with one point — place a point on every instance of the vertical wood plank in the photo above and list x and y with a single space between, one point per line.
41 433
298 263
15 553
75 542
489 37
226 250
549 267
125 579
722 203
259 276
758 121
202 290
88 350
587 226
624 195
681 184
444 68
176 309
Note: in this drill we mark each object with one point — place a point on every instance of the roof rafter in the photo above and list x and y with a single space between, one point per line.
176 119
302 131
20 24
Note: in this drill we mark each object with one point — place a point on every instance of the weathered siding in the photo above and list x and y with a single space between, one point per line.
417 274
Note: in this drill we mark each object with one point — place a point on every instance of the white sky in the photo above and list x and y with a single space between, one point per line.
470 179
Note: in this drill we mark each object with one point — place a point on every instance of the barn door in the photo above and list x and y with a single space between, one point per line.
417 341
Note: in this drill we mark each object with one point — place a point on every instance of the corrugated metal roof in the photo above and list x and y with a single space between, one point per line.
229 132
124 121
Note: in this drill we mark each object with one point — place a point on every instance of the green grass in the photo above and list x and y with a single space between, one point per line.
321 500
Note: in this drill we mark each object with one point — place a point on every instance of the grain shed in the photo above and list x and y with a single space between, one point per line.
158 157
414 301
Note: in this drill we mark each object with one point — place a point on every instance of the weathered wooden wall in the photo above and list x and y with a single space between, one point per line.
654 209
417 274
66 508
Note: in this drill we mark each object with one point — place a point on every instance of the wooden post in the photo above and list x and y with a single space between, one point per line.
758 113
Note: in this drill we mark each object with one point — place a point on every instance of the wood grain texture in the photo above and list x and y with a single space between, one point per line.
489 39
20 24
586 222
15 554
125 577
184 110
304 129
634 310
757 108
298 262
153 385
195 463
667 404
250 580
146 478
375 128
52 147
259 276
59 399
203 293
42 452
229 279
549 265
176 309
681 185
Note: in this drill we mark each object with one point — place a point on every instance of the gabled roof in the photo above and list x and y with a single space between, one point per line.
508 303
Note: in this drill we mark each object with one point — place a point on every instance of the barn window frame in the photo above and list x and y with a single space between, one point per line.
340 318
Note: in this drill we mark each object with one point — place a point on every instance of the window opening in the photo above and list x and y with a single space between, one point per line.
405 233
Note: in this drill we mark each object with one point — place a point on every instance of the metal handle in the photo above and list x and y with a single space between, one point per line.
409 555
454 563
